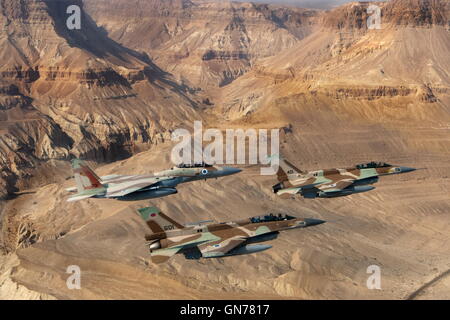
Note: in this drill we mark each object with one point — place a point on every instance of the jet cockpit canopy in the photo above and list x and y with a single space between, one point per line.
271 217
195 165
373 164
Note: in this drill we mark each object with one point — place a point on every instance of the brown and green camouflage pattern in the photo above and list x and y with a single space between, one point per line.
214 240
331 182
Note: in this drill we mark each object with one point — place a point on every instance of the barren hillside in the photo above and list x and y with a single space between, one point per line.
403 64
205 44
76 92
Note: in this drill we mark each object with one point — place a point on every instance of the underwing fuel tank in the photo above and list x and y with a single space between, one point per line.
345 192
263 237
148 194
249 249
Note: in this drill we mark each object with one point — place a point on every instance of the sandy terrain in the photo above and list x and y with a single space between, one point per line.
402 226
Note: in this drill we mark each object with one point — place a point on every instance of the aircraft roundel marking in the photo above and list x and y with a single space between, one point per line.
153 214
205 171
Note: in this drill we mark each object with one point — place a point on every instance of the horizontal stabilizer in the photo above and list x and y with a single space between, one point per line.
79 197
163 255
71 190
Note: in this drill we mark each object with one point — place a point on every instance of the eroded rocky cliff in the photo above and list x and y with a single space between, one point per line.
77 92
205 44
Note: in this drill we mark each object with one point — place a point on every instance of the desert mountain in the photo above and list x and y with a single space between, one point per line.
206 44
76 91
406 59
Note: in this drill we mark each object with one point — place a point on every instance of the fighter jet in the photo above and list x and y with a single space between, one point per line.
331 183
214 240
139 187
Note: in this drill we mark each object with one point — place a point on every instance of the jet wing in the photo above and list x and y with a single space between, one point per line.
328 187
220 247
335 186
111 179
131 185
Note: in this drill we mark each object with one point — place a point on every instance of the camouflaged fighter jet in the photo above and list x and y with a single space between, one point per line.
331 183
140 187
214 240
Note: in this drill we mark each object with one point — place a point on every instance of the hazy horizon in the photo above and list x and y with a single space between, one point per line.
313 4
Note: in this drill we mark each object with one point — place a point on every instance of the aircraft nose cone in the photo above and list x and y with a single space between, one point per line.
229 171
407 169
313 222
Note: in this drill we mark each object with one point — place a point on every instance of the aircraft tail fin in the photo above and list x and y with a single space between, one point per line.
158 221
85 177
286 170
